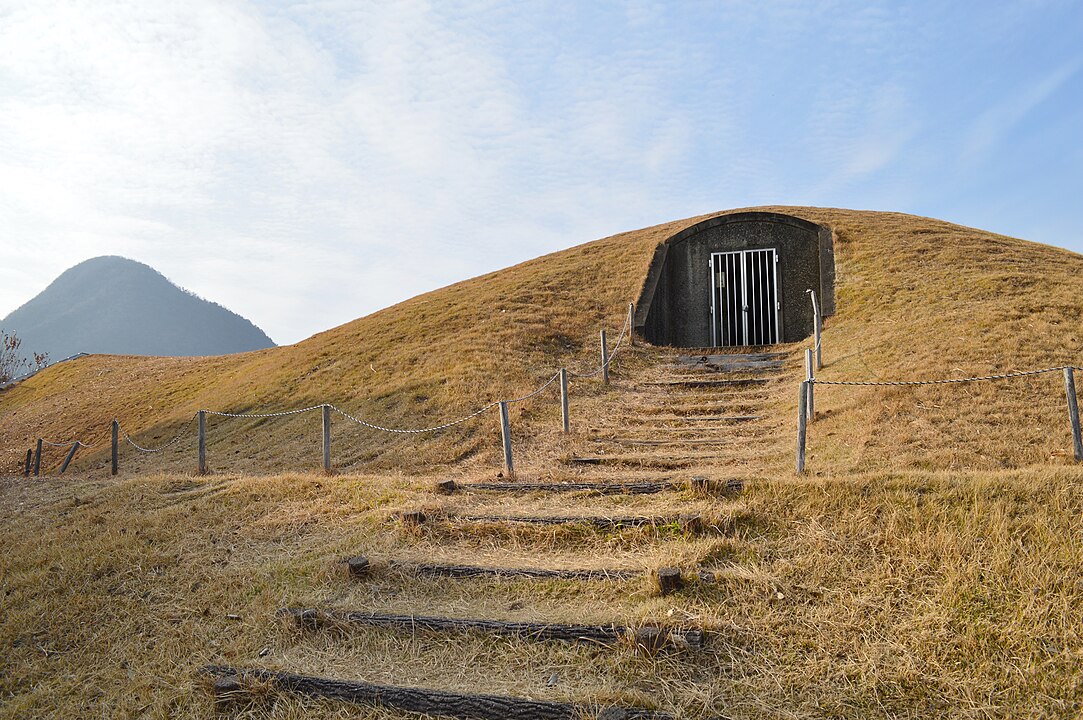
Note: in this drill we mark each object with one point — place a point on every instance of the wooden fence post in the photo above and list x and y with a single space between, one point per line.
817 327
29 459
116 446
631 324
1073 412
605 360
505 437
202 414
564 417
67 460
802 416
808 378
327 439
37 460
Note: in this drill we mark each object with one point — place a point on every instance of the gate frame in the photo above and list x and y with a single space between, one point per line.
716 270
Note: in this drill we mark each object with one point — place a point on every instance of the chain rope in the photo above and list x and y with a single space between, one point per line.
524 398
373 426
160 448
402 431
603 366
1003 376
263 415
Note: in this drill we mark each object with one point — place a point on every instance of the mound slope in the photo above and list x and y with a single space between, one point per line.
917 298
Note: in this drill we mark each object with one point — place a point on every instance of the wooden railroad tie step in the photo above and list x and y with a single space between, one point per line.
669 578
230 685
731 363
648 638
661 463
652 442
705 382
686 523
448 487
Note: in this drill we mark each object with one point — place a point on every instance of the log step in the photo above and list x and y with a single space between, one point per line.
360 567
658 417
683 442
631 461
449 487
706 382
230 686
762 366
649 637
687 523
668 579
730 357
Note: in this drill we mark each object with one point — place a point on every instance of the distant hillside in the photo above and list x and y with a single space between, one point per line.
117 306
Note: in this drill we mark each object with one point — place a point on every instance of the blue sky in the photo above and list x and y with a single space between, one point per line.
308 163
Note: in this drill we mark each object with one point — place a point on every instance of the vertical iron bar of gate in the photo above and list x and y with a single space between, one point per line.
744 301
714 296
762 294
1073 412
776 271
734 297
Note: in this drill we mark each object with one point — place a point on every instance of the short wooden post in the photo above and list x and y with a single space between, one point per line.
817 326
327 438
67 460
359 566
669 580
1073 412
605 360
29 459
565 419
37 459
116 446
202 415
802 416
811 390
631 324
505 437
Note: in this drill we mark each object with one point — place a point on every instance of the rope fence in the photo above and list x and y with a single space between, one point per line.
33 458
806 412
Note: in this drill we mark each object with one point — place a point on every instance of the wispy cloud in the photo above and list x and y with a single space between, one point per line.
990 129
307 163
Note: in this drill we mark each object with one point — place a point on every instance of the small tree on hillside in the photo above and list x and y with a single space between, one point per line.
13 363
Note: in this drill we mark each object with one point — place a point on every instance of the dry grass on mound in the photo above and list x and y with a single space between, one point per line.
902 595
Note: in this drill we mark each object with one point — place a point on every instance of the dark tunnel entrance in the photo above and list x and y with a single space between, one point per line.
738 280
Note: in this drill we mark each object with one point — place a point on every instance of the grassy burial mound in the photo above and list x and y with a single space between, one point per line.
917 299
925 567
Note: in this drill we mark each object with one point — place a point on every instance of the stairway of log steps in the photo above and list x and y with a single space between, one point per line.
700 411
639 513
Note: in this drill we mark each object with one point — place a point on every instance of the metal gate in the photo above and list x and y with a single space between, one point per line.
745 306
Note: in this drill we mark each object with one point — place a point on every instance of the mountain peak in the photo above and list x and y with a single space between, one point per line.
116 305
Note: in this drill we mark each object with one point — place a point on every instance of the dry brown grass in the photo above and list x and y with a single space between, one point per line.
927 566
885 595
